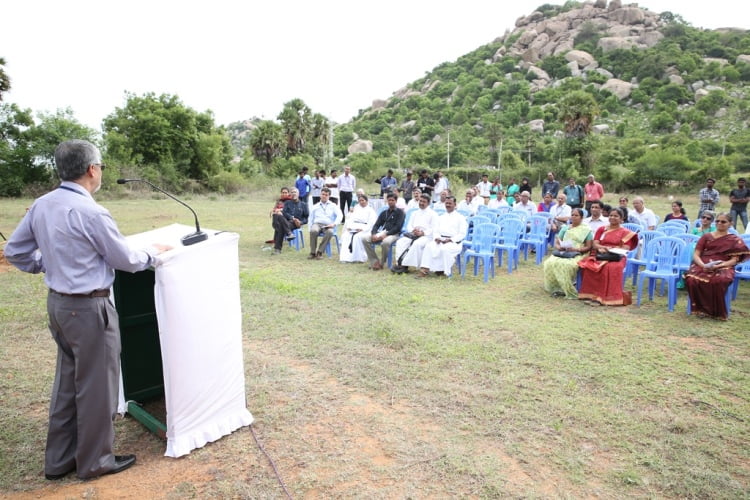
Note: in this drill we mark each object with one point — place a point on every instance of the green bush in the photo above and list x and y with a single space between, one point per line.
227 182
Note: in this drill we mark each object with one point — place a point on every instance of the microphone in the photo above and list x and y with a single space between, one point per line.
189 239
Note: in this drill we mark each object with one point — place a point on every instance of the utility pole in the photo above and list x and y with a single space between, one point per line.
448 165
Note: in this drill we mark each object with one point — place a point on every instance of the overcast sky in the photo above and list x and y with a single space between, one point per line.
242 59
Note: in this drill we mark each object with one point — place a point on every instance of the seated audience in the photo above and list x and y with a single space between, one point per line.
677 212
498 200
414 202
642 215
358 224
561 268
707 223
323 220
440 253
419 232
597 218
602 279
546 203
524 204
467 204
385 231
281 227
712 271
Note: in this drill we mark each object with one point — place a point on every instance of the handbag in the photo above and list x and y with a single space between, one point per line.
565 254
609 256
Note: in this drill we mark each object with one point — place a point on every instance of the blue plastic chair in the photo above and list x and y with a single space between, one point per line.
334 237
634 262
662 255
741 272
473 222
465 213
299 238
509 240
677 222
671 229
536 237
484 238
636 228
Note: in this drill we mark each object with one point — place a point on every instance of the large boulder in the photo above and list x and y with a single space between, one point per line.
618 88
378 104
539 73
627 15
581 57
360 146
743 58
610 43
536 126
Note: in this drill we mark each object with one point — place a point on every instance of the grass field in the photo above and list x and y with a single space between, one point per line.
372 385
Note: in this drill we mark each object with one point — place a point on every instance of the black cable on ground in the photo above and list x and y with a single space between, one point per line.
270 460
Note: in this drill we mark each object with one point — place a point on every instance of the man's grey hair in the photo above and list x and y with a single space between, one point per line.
72 158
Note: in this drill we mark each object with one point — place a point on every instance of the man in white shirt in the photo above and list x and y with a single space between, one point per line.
419 232
323 219
414 201
440 205
332 183
484 188
525 205
440 253
560 215
596 220
347 185
468 204
644 216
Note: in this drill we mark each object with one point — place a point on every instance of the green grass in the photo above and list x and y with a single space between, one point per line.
376 385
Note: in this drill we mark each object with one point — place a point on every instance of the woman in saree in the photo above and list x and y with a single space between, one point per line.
602 279
359 222
571 244
712 270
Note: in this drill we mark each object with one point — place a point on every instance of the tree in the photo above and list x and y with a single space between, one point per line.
267 141
4 79
493 133
165 139
577 111
295 120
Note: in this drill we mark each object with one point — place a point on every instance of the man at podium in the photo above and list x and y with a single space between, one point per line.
77 244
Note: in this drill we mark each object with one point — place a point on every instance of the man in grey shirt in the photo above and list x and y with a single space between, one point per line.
76 243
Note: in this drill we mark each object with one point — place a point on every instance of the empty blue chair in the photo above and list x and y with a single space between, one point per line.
662 255
741 272
473 222
672 229
679 222
536 237
635 261
636 228
509 240
483 248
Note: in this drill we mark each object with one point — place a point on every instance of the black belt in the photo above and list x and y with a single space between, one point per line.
95 293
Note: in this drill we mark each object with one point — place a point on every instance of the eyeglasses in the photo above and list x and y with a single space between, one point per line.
102 166
722 222
707 217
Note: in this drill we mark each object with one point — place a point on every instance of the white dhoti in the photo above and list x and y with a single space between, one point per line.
357 253
414 255
440 256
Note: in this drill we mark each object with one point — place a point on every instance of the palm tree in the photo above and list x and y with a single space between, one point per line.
296 120
267 141
494 133
577 111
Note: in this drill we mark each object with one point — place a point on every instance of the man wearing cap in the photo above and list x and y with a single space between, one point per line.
593 191
76 244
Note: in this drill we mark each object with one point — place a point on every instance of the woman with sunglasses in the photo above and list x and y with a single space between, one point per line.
712 270
706 223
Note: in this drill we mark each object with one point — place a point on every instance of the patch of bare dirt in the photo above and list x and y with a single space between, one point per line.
4 264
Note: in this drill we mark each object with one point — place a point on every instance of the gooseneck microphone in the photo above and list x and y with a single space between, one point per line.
189 239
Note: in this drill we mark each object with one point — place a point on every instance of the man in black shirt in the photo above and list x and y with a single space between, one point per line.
739 198
386 231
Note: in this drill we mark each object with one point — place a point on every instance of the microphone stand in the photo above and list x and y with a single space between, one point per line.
186 240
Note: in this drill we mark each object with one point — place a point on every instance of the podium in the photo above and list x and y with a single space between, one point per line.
181 330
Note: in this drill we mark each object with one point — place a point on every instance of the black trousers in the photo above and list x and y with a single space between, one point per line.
345 197
281 227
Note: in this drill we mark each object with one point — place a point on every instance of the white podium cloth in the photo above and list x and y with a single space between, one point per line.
198 309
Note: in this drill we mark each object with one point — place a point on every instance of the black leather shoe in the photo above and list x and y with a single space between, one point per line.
57 477
122 462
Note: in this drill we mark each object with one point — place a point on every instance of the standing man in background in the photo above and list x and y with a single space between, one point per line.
485 188
347 184
76 243
407 186
593 191
550 185
739 198
573 194
708 197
